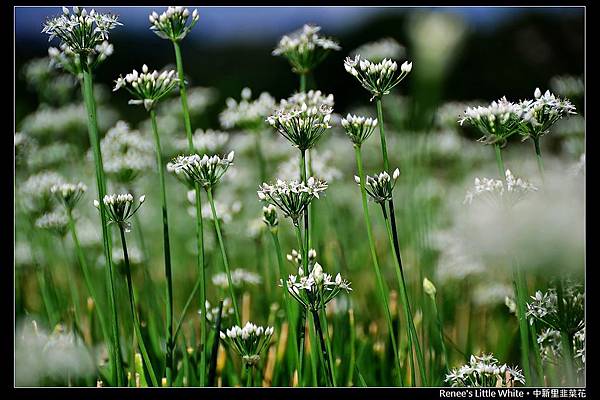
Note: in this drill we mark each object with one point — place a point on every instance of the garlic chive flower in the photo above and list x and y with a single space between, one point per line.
378 78
544 308
497 122
247 113
270 217
173 24
484 371
380 187
120 208
538 116
292 197
249 342
358 129
35 192
302 126
68 194
305 48
83 33
499 192
212 312
148 87
312 98
296 259
315 290
55 222
206 170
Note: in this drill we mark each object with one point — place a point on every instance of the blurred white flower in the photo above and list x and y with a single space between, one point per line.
378 50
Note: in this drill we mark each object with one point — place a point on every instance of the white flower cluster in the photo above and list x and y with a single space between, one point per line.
455 261
499 192
69 194
120 208
312 98
497 122
173 23
484 371
380 187
378 78
248 341
296 259
205 141
315 290
205 170
303 126
35 193
55 222
126 153
305 48
81 34
538 116
380 49
322 163
212 312
148 87
358 129
550 344
239 277
544 308
247 113
292 197
270 217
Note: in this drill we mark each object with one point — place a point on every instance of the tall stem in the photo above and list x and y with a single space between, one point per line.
386 162
382 290
167 251
72 282
538 154
118 373
136 320
302 83
566 338
499 160
520 290
324 356
302 324
223 253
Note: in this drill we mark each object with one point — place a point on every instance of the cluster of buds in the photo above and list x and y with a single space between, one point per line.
569 318
54 222
83 37
212 312
148 87
249 341
315 290
358 129
498 192
484 371
120 208
292 197
305 49
206 170
270 217
312 98
296 259
303 126
497 122
380 187
538 116
247 113
378 78
173 23
68 194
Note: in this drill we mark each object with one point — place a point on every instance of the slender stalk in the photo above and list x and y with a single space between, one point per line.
288 305
307 241
325 359
249 376
520 291
72 282
441 332
167 251
118 374
382 291
499 161
538 154
302 83
566 338
223 253
352 362
215 348
302 324
386 162
136 320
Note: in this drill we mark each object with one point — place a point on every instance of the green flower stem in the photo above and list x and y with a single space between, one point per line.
538 154
302 324
325 357
414 341
72 282
136 320
352 363
521 294
183 94
302 83
380 284
249 376
566 338
212 370
386 162
167 251
223 253
118 374
87 276
499 160
328 345
286 300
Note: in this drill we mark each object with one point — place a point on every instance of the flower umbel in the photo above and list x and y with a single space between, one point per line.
378 78
247 113
358 129
248 341
305 49
538 116
148 87
380 187
173 24
120 208
206 170
302 126
270 217
292 197
484 371
55 222
68 194
544 308
499 192
497 122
